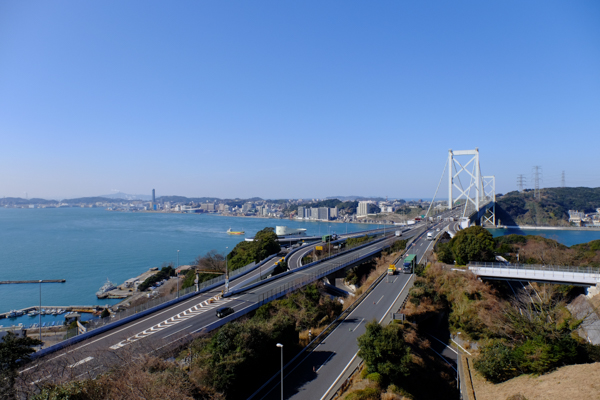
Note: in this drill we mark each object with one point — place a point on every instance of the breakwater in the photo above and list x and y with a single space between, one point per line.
30 281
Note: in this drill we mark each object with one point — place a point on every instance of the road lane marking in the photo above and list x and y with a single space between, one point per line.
339 376
443 343
361 321
41 379
193 311
176 332
379 300
328 358
81 362
128 327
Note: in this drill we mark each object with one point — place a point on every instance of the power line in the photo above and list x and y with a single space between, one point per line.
563 179
520 182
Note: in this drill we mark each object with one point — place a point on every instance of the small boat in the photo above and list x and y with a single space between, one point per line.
19 313
12 314
229 231
32 313
107 287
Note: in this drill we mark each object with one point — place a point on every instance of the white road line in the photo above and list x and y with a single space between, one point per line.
176 332
443 343
339 376
328 358
81 362
394 281
170 309
379 300
463 349
41 379
361 321
27 369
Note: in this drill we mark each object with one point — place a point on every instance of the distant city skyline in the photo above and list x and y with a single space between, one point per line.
294 100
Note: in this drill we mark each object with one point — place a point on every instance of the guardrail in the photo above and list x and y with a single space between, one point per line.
102 325
536 267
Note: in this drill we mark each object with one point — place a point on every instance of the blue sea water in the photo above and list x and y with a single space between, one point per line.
86 246
566 237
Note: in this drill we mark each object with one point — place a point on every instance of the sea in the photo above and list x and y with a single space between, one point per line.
566 237
87 246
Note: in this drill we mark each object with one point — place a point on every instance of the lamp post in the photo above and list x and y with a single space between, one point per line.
281 347
40 312
177 273
226 272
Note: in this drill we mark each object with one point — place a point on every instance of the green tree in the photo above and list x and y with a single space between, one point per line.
473 244
14 352
264 244
384 351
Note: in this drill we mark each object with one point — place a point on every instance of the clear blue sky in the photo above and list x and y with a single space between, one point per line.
283 99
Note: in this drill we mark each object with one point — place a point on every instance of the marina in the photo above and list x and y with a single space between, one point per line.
30 281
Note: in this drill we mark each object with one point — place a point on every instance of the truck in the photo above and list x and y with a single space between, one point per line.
398 233
326 238
430 236
409 264
392 269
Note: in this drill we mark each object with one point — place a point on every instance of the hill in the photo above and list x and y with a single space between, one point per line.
552 209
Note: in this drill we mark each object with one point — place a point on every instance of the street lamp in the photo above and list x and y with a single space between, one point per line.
281 347
40 313
226 272
177 273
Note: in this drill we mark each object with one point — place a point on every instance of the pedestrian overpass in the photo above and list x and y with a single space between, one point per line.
565 275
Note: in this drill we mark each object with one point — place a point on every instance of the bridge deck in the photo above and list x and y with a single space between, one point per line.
550 273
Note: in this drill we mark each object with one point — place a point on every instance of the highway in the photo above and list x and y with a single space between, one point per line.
94 355
320 373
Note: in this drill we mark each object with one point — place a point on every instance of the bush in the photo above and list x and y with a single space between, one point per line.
364 394
265 244
496 362
375 377
164 273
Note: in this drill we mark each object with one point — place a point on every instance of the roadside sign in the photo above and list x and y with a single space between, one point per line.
319 248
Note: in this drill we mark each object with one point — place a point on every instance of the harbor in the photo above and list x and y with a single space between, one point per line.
38 281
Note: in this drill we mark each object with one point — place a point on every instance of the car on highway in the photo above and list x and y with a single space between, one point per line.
224 311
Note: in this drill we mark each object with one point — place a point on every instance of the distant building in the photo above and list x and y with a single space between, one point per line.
208 207
153 197
302 212
363 208
314 213
333 212
323 214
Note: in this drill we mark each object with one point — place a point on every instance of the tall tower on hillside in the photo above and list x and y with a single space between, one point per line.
520 182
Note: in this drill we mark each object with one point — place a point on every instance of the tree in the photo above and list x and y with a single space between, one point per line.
473 244
211 261
264 244
14 352
384 351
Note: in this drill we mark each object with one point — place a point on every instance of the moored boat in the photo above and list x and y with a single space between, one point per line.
229 231
107 287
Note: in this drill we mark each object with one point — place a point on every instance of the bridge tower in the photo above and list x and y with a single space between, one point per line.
481 190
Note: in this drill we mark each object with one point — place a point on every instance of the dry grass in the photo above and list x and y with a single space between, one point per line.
573 382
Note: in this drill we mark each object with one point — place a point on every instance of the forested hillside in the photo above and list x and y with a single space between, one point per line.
521 208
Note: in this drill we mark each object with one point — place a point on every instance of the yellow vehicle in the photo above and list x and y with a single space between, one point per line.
392 269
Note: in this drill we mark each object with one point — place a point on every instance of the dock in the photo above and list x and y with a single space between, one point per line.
80 309
38 281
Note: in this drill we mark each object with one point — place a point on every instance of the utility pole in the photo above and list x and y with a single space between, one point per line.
520 182
537 176
563 179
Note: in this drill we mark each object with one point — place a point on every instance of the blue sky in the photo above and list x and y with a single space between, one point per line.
294 99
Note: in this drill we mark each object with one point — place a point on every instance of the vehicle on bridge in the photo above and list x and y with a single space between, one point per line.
224 311
409 264
398 233
430 236
392 269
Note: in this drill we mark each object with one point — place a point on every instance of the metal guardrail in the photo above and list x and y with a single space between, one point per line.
536 267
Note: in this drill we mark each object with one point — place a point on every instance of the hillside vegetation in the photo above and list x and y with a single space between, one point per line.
552 209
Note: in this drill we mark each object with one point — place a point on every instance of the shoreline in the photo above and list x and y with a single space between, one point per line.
549 228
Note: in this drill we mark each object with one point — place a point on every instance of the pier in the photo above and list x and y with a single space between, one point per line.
79 309
38 281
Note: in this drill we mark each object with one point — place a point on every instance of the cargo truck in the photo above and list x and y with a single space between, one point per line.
392 269
430 236
409 264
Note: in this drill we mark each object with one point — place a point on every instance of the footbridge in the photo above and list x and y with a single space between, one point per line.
580 276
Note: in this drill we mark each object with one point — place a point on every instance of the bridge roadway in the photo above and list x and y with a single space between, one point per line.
94 355
319 374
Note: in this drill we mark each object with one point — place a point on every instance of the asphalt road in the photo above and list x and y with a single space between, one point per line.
159 329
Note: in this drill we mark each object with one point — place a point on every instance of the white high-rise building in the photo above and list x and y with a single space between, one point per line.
363 208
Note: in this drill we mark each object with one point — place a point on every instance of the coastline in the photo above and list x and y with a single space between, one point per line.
549 228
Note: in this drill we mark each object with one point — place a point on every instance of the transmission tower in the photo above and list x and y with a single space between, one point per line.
537 176
563 179
520 182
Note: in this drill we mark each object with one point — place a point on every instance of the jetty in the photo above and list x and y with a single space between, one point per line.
38 281
79 309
